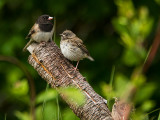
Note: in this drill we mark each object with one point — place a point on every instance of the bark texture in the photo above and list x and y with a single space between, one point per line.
53 67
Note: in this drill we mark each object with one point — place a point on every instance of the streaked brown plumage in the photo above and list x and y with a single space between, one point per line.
73 48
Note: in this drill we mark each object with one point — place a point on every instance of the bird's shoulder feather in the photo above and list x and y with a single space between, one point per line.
33 30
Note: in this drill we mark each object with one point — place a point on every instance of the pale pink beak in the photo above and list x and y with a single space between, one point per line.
50 18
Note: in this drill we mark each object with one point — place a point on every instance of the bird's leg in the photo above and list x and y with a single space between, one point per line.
76 66
28 44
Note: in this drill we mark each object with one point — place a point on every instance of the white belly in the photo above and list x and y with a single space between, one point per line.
43 36
71 52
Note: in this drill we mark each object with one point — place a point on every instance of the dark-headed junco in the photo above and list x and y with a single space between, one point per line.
73 48
42 30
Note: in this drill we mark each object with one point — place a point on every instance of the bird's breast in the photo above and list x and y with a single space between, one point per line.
42 36
70 51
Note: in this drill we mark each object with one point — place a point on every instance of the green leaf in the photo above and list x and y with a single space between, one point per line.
46 95
121 83
147 105
159 116
17 85
49 111
20 88
158 1
133 57
23 115
144 92
69 115
74 95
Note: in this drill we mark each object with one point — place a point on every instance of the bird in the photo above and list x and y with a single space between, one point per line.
73 48
42 31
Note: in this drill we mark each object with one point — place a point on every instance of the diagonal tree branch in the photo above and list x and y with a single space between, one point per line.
58 72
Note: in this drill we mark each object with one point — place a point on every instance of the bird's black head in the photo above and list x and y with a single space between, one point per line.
67 34
45 23
44 19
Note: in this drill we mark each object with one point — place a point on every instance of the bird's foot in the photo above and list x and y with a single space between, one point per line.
43 44
75 69
50 40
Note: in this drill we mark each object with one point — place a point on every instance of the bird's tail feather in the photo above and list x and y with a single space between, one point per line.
90 58
25 48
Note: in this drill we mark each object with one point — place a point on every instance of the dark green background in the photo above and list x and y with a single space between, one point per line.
94 21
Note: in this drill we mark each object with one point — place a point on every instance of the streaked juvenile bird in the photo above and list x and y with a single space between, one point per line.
42 31
73 48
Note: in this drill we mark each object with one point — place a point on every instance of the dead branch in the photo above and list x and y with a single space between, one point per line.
53 67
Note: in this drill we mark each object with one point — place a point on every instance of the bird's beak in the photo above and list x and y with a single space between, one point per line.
61 34
50 18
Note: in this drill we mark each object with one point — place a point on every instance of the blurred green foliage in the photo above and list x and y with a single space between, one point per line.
116 32
74 95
